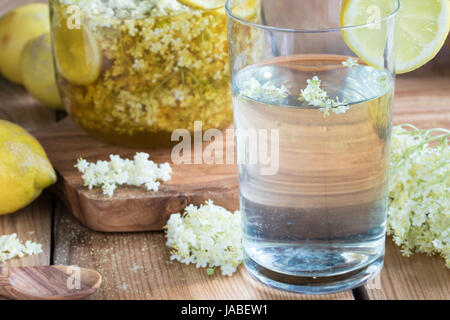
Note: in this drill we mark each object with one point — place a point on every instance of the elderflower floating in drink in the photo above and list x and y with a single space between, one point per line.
268 90
317 97
350 62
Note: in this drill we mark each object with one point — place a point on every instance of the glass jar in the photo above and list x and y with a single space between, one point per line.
130 72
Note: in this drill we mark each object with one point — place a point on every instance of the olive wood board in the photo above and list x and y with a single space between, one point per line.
133 208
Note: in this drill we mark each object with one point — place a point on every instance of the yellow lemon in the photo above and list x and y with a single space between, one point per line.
204 4
245 9
38 74
421 29
77 55
16 28
24 168
248 10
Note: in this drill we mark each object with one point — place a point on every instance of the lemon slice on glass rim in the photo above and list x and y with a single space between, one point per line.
77 54
204 4
422 27
246 9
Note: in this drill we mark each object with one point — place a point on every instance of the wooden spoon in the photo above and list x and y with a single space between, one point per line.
48 282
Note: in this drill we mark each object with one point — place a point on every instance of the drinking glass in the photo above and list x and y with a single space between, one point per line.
312 116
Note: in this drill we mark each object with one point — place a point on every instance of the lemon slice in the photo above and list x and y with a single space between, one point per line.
204 4
77 54
37 69
247 10
421 30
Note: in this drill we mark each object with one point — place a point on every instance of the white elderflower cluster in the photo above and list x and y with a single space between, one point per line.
419 202
266 92
137 172
315 96
350 63
107 12
209 236
11 247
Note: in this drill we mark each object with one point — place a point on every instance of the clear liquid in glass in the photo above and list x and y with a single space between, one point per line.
319 222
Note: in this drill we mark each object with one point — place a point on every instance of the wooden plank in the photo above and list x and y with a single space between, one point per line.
31 223
18 106
34 221
410 278
15 103
423 101
137 266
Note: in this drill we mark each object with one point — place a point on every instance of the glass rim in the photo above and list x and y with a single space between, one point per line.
322 30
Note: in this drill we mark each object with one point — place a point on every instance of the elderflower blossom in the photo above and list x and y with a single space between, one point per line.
208 236
419 203
315 96
350 63
267 92
110 174
11 247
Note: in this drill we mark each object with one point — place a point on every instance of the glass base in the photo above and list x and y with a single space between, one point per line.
314 285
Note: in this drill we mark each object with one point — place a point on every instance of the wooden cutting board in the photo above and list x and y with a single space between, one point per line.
132 208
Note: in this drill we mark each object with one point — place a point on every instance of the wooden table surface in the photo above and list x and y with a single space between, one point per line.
136 265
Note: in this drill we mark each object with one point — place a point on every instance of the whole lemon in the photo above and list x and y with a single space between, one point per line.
37 70
24 168
16 28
